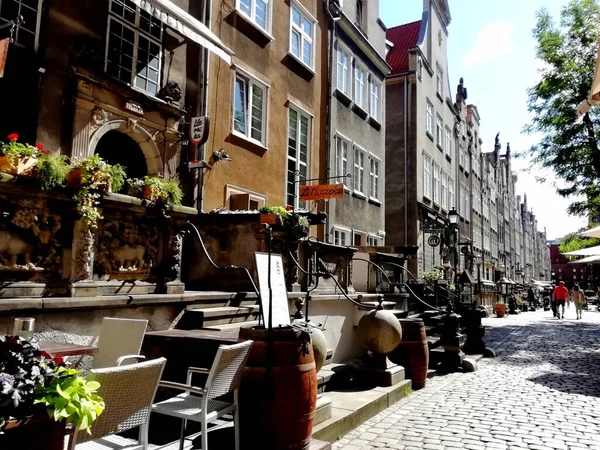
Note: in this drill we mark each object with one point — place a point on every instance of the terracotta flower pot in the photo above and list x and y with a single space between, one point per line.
500 309
74 178
147 193
38 432
22 165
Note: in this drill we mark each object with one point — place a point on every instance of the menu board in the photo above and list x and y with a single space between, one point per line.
281 310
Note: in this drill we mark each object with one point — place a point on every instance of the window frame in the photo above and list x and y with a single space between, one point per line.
451 193
439 131
374 177
427 176
251 18
374 240
137 31
448 142
304 13
439 82
360 169
250 81
342 231
429 116
339 139
361 101
437 183
356 233
301 112
342 50
445 195
35 31
375 83
231 189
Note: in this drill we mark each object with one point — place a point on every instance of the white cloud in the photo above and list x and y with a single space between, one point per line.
493 40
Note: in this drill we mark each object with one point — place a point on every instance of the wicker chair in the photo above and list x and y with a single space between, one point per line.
202 404
128 392
119 342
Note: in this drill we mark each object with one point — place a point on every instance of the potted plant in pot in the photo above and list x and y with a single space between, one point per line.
51 170
40 396
94 178
165 193
18 158
295 225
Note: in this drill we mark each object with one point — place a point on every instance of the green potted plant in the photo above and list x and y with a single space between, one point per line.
165 193
39 396
296 225
51 170
94 178
18 158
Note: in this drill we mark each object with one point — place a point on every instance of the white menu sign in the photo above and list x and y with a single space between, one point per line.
281 310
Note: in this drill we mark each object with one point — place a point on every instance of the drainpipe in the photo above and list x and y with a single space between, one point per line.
406 115
203 81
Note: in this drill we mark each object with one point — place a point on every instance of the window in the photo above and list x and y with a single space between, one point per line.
429 118
26 34
448 145
439 83
439 131
451 194
242 199
341 158
444 191
341 237
374 108
298 151
427 181
374 179
360 93
359 238
258 11
360 14
359 171
133 49
437 183
249 111
343 68
301 39
463 205
374 241
461 155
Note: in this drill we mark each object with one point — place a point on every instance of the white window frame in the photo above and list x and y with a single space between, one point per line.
374 99
363 234
461 155
304 14
26 26
427 176
252 16
346 70
445 178
358 173
255 196
439 131
437 183
360 86
301 113
374 176
448 142
337 233
137 32
374 240
340 161
429 117
451 193
249 83
439 83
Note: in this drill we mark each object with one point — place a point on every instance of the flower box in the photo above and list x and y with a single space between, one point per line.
22 165
39 432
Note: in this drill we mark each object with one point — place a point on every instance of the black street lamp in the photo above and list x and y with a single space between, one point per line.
453 228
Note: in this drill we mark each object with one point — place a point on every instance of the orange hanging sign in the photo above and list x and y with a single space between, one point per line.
4 43
321 191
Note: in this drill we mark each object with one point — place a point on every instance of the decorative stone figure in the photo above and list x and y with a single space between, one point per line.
171 92
461 94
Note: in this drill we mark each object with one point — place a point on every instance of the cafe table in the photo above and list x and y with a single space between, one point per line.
64 349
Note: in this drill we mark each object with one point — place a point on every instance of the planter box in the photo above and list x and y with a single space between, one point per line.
17 166
35 433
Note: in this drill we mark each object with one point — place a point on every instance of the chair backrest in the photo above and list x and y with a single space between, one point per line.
226 371
118 337
128 392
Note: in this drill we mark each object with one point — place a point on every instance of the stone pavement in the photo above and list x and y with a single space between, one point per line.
541 392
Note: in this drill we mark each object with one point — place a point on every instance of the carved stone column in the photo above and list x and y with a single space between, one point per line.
82 262
81 133
172 265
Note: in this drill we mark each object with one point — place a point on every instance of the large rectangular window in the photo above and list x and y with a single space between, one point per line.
461 155
302 31
299 129
439 134
258 11
343 71
375 107
360 91
429 118
444 191
249 108
134 49
451 193
437 183
374 179
27 34
448 143
439 81
427 178
341 237
359 171
342 147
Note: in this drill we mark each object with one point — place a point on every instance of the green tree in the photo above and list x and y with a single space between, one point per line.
567 49
574 241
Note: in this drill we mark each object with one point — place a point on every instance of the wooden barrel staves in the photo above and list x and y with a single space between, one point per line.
277 403
413 351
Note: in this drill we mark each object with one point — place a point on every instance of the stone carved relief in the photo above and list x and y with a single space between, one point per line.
28 237
173 261
158 137
99 117
83 257
125 246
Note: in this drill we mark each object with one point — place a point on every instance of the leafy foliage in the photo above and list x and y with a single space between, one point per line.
573 241
295 225
15 149
567 50
29 380
167 193
51 170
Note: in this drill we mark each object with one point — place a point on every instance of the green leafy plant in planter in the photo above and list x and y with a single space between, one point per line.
19 157
432 276
165 193
51 170
295 225
33 385
94 178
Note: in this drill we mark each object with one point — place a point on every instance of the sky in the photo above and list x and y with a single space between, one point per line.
490 45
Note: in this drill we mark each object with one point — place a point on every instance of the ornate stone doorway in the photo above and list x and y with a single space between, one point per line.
118 148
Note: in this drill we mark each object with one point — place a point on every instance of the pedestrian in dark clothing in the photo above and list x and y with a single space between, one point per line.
531 297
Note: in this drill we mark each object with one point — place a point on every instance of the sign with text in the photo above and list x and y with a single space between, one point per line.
321 191
4 43
134 107
199 128
281 310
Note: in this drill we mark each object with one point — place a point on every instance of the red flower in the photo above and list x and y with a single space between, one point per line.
288 208
13 137
39 146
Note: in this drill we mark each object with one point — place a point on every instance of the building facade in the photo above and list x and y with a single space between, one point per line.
357 124
562 269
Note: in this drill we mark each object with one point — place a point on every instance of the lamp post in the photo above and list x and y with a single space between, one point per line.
453 228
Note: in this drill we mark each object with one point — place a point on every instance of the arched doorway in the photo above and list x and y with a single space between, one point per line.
118 148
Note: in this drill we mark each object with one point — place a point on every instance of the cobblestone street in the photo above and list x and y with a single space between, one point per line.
541 392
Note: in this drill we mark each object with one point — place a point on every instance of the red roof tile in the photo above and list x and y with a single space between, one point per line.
403 37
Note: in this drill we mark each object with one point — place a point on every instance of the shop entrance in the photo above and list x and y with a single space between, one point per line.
118 148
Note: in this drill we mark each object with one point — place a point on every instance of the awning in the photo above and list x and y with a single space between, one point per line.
595 259
593 232
585 251
190 27
594 97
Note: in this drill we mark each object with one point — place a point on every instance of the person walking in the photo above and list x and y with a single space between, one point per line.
561 294
531 299
553 301
578 298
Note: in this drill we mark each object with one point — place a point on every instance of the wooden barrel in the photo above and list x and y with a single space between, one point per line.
277 401
413 351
